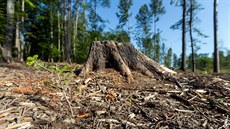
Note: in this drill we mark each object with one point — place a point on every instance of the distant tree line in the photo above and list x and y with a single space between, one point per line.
63 30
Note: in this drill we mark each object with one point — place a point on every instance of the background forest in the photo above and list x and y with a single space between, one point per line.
63 30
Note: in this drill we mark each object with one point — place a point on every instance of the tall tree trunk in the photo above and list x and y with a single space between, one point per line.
17 41
155 57
154 24
75 34
191 36
68 43
62 25
22 43
7 45
51 34
95 17
183 62
65 33
59 36
216 51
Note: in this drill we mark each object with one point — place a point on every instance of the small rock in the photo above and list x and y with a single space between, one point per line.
112 109
132 115
103 89
78 81
9 84
98 113
69 120
31 105
87 80
97 98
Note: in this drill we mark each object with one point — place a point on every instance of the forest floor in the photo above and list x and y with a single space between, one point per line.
32 98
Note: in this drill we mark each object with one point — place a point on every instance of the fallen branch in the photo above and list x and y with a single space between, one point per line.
179 98
219 107
185 111
20 125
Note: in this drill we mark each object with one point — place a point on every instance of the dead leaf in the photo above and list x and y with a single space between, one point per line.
111 95
83 115
44 91
23 90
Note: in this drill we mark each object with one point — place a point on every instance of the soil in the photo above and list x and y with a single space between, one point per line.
37 99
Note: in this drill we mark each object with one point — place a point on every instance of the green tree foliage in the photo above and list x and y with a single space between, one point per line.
38 31
162 53
181 24
225 61
204 63
157 9
124 14
157 45
120 36
2 21
143 33
7 45
45 22
95 21
194 8
168 58
175 62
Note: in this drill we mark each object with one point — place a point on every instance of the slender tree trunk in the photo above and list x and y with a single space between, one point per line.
191 36
22 43
59 36
75 34
95 17
7 45
183 62
154 23
155 40
17 42
51 34
62 25
69 33
65 33
216 51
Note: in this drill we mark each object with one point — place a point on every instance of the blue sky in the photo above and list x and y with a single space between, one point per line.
172 38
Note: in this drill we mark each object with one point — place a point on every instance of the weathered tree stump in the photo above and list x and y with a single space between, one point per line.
124 58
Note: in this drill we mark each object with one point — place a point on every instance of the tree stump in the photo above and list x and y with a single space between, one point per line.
122 57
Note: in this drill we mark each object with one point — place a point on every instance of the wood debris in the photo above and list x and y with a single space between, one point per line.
108 101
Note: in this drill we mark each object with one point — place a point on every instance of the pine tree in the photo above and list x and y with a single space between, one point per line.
168 58
157 9
181 24
193 10
123 15
143 26
216 51
95 21
175 61
183 62
2 22
8 43
68 43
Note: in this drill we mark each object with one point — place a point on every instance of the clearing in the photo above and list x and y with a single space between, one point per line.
35 98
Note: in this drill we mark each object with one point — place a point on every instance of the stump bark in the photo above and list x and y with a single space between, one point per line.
124 58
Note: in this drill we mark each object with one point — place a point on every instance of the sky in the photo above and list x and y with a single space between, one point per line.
172 38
